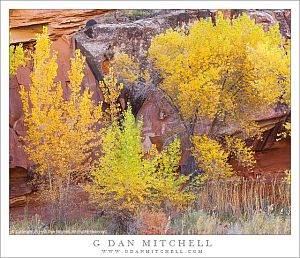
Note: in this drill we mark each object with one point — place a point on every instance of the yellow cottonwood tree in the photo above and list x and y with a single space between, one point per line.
227 72
60 132
126 179
222 75
122 181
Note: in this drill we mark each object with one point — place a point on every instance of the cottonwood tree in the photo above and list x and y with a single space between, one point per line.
60 132
221 76
126 179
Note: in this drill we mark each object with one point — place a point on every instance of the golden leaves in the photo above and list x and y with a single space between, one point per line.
286 131
111 90
76 75
211 65
126 180
211 157
16 58
125 67
60 133
242 153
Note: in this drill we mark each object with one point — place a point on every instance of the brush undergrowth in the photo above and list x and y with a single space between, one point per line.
222 207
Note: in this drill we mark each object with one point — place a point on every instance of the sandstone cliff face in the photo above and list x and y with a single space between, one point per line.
24 24
131 32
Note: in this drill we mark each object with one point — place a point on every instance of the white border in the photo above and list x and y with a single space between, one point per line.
81 246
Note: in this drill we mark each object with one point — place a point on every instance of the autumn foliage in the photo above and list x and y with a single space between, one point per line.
17 57
62 136
60 132
126 179
221 75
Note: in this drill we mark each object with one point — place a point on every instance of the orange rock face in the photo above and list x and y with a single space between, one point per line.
24 24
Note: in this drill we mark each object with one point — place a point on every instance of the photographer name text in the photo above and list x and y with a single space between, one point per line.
154 243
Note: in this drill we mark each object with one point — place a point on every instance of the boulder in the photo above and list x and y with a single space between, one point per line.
160 121
269 18
17 156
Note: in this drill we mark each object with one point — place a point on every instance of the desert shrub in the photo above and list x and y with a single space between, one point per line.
258 223
153 222
209 225
206 223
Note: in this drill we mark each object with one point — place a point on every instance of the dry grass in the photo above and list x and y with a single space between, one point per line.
35 226
244 196
239 207
259 223
223 207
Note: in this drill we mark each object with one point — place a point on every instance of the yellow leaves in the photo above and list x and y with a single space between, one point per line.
273 70
171 186
286 131
211 157
76 75
119 177
239 58
111 90
125 67
43 48
24 99
242 153
125 180
16 58
60 135
288 176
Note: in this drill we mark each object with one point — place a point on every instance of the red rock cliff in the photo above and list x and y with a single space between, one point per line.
133 36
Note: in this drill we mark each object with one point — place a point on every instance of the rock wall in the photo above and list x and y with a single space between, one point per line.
24 24
96 32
